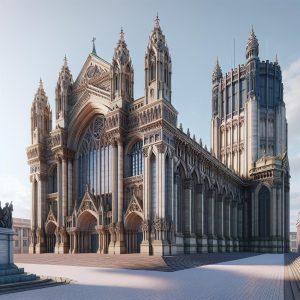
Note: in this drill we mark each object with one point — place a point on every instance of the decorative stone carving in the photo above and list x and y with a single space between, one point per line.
6 215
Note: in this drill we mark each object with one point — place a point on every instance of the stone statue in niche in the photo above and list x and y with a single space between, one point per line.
6 215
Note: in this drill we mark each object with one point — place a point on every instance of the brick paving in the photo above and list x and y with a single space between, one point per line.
255 277
292 276
132 261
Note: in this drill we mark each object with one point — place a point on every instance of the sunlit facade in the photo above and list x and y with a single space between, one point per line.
117 175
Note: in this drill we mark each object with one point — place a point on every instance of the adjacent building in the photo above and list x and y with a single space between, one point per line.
117 174
22 229
293 242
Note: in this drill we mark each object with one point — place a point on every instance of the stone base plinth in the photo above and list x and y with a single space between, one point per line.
160 248
111 248
202 244
6 246
120 247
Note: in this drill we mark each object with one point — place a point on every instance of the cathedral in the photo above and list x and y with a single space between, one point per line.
119 175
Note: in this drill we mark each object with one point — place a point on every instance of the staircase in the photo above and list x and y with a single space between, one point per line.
14 279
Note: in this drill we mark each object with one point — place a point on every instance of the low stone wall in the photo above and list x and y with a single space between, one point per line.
6 246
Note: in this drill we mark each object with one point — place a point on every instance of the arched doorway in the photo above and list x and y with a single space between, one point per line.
264 212
87 236
133 232
50 237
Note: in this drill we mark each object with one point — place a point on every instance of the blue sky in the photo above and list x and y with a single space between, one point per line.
35 36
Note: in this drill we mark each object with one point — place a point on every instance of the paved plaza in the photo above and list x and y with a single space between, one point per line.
256 277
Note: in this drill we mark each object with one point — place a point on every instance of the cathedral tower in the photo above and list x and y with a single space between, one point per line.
249 135
41 116
158 67
122 75
62 95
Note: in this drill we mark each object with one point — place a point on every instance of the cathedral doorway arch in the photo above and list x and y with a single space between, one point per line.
133 232
87 236
264 208
50 236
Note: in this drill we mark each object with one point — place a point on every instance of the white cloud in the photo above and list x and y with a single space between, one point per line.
12 189
291 81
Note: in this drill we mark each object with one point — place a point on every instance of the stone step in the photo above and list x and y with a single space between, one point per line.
11 271
17 278
28 285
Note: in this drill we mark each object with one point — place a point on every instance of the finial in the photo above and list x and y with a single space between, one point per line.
180 126
65 61
122 35
194 137
188 132
94 48
157 21
276 59
41 84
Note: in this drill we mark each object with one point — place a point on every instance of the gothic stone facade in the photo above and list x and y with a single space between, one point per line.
116 174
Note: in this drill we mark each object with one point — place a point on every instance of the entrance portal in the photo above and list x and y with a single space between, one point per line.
87 238
133 233
50 237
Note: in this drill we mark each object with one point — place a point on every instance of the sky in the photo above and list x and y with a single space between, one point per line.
36 35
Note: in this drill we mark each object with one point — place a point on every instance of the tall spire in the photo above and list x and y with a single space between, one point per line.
94 47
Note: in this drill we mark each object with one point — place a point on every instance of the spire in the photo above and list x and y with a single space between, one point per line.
94 47
252 49
217 73
157 21
65 61
276 59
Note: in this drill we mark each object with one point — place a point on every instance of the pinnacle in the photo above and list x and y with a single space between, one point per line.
122 35
157 21
65 61
41 87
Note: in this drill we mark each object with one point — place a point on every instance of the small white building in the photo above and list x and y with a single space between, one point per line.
22 229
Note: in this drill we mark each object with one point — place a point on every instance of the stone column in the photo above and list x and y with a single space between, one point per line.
33 214
120 243
70 187
59 192
41 209
145 245
273 220
190 245
220 216
114 166
212 239
64 190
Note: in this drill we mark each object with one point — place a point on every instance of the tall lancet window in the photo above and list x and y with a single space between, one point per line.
168 186
52 181
264 212
136 159
152 68
94 161
153 185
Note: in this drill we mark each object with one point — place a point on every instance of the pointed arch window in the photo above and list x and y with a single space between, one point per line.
94 161
152 68
136 159
52 181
